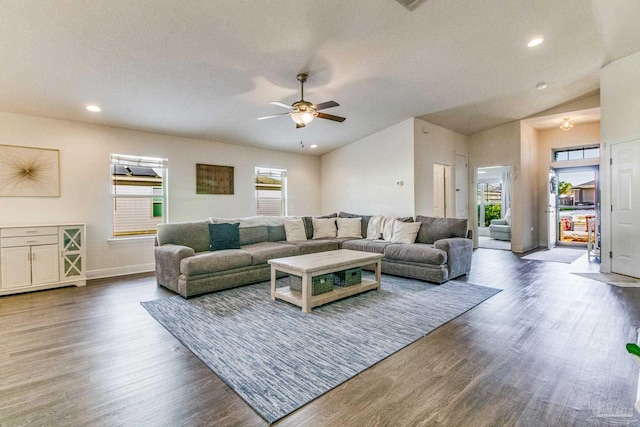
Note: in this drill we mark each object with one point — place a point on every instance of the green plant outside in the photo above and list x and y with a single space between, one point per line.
490 212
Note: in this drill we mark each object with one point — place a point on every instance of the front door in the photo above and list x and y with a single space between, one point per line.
625 208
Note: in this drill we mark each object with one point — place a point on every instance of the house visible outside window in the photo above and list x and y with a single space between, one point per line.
271 191
138 190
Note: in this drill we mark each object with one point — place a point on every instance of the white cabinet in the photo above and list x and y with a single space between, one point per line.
41 257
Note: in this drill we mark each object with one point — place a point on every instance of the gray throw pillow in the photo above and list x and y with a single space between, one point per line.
433 229
224 236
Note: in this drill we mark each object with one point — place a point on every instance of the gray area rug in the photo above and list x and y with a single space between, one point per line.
612 279
278 358
565 255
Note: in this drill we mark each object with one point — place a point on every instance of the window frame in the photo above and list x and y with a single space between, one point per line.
569 150
284 209
154 198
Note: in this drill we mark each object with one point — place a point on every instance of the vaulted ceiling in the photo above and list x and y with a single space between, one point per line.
208 68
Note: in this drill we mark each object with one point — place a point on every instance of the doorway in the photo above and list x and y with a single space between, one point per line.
493 204
441 193
578 202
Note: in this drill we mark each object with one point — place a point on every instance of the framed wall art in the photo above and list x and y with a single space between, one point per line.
29 172
213 179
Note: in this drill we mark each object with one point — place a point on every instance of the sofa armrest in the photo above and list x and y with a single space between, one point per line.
459 251
499 222
168 259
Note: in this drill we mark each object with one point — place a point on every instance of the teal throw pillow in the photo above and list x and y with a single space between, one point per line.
224 236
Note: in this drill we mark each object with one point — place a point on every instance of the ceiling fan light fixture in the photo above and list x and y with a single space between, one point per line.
566 124
302 117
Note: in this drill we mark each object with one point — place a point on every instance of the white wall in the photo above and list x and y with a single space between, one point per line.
435 144
361 177
620 98
85 183
548 140
499 146
526 192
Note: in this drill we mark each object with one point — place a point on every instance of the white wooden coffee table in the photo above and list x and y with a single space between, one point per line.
308 266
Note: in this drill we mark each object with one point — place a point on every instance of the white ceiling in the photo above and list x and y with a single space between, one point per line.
208 68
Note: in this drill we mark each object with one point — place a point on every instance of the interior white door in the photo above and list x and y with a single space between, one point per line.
552 220
625 208
439 191
462 186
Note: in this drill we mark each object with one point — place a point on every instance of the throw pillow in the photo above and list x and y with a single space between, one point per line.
324 228
405 232
433 229
350 227
224 236
365 220
308 223
294 230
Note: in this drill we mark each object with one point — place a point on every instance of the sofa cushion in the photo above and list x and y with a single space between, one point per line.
405 232
366 245
417 252
349 227
264 251
308 223
324 228
224 236
255 234
313 246
192 234
433 229
276 233
294 230
212 262
364 219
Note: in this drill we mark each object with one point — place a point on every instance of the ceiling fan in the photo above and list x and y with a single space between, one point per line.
303 112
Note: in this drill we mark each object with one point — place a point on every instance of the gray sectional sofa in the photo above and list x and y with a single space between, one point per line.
186 265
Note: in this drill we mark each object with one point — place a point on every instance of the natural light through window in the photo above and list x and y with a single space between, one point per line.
271 191
138 192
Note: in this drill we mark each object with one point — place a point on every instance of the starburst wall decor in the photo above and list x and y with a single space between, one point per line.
29 172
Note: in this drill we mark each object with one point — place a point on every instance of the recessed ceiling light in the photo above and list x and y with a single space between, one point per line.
314 146
541 86
535 42
94 108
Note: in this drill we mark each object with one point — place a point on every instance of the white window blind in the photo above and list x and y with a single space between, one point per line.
138 192
270 191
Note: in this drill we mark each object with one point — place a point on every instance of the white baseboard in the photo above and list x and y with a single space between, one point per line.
120 271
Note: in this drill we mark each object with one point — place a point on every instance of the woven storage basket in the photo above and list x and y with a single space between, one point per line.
320 284
348 277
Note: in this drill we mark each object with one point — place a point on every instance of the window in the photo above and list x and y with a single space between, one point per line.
271 191
138 193
591 152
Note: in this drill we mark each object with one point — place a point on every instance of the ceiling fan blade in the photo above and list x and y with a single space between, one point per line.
272 116
328 104
330 117
280 104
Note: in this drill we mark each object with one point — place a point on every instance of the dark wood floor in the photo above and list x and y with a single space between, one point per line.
547 351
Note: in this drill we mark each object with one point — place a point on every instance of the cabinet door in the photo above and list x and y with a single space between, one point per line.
71 261
16 267
44 264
